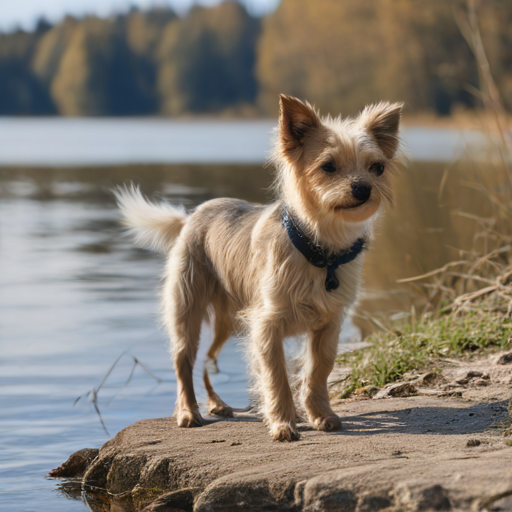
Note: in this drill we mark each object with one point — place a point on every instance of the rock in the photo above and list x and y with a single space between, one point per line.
125 472
96 474
428 392
473 374
367 391
505 358
501 505
179 501
434 498
399 389
454 393
469 376
418 499
372 503
76 465
253 495
327 499
256 492
428 379
449 391
161 467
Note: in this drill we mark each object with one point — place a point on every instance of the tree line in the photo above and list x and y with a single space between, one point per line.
339 54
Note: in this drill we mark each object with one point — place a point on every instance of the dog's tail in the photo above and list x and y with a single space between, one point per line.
154 226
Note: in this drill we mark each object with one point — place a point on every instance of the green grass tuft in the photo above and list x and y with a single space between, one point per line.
423 345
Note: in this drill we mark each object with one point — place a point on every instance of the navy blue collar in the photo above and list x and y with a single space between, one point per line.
318 256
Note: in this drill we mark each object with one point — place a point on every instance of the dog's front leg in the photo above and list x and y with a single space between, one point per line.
273 380
320 356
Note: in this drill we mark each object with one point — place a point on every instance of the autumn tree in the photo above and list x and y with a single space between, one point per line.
206 60
98 74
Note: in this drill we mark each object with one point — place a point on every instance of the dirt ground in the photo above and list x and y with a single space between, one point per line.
439 447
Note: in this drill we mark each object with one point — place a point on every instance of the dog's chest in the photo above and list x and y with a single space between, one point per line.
313 303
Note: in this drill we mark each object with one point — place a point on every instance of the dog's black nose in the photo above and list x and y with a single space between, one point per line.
361 192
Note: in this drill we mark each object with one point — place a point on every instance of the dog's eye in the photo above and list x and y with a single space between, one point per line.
377 168
329 167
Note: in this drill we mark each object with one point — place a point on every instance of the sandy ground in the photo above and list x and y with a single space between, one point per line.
440 448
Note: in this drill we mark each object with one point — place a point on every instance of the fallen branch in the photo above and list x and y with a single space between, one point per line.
92 395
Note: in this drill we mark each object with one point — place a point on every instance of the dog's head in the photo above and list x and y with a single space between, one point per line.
337 168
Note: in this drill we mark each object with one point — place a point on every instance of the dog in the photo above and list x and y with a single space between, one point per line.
289 268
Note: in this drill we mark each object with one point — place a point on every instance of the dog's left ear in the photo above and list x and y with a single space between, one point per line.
382 121
296 120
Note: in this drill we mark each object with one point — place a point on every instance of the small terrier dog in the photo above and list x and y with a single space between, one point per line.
289 268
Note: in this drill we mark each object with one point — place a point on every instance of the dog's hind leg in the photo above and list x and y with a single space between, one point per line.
185 300
321 351
223 329
215 404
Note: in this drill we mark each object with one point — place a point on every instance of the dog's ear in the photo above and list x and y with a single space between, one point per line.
296 119
382 121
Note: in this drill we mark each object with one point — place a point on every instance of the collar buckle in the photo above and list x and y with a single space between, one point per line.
317 256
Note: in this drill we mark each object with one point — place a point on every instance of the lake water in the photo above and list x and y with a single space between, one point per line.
75 295
92 141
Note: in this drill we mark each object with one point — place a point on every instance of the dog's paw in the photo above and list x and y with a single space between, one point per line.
284 432
211 365
187 419
328 423
221 410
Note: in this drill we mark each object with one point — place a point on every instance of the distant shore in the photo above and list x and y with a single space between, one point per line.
466 120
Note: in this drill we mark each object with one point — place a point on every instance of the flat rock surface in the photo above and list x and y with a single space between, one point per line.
410 453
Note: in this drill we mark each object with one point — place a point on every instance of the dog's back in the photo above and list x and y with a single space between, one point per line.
223 234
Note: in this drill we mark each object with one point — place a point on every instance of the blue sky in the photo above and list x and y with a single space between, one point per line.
24 13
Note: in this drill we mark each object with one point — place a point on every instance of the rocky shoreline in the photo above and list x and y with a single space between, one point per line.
418 452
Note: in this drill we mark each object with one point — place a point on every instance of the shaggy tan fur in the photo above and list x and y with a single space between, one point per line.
235 259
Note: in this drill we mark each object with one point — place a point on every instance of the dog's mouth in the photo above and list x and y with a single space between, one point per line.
350 206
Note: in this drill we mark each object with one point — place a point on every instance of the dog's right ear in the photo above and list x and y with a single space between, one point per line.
296 119
382 122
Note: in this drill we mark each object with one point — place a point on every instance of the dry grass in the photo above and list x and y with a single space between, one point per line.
481 280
